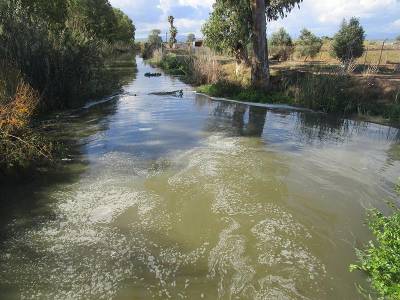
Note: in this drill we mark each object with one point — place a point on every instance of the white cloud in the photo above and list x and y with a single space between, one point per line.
395 25
321 16
334 11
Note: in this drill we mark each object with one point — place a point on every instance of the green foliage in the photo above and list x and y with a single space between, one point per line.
97 16
280 8
52 54
154 42
281 45
275 9
154 38
398 38
63 61
381 259
173 64
330 92
308 45
348 43
228 28
235 91
124 28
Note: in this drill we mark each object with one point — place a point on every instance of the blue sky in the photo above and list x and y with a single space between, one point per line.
380 18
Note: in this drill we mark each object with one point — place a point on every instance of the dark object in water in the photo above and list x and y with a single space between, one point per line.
178 93
152 74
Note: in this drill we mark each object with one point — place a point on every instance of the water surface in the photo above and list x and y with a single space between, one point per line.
189 198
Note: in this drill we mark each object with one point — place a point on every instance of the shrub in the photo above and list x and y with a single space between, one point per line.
281 45
348 43
308 45
381 259
20 146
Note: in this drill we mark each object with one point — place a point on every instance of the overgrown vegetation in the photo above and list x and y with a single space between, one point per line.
321 92
237 92
52 55
20 145
381 258
194 69
154 42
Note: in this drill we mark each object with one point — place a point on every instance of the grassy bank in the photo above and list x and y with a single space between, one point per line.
326 88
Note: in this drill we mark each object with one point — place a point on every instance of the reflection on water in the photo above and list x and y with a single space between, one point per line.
190 198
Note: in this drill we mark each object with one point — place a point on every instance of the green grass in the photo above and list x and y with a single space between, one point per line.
237 92
381 258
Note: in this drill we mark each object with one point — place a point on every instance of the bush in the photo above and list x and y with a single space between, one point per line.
381 259
308 45
20 146
348 43
281 45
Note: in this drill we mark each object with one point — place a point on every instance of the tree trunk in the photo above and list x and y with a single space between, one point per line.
260 78
242 59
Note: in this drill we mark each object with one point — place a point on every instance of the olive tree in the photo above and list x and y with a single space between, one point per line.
348 43
308 44
281 45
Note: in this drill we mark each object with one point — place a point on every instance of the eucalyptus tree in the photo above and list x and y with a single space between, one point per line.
252 17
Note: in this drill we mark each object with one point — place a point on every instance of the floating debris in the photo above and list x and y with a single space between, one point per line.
152 74
178 93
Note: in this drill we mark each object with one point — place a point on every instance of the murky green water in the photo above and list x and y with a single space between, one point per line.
188 198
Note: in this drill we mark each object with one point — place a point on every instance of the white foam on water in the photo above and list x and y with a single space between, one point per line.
87 252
